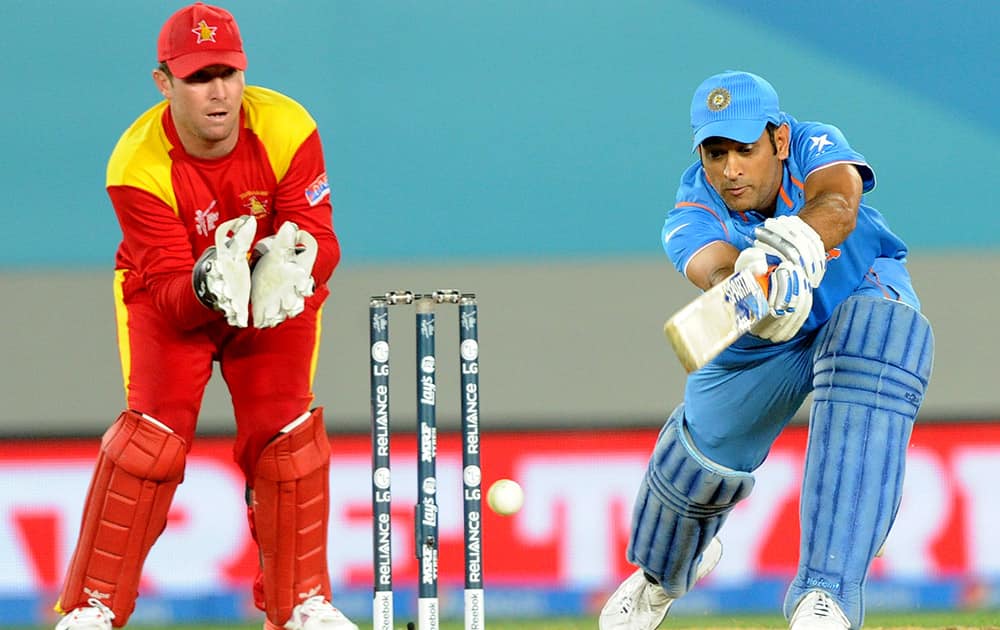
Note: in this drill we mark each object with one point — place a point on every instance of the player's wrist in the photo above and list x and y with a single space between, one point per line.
199 279
792 239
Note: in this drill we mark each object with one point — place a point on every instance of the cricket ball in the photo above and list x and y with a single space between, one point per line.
505 497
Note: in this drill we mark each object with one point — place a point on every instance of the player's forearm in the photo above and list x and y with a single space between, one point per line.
328 258
833 195
713 264
161 254
312 212
173 295
833 215
718 274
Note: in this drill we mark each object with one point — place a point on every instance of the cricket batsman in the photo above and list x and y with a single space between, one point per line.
784 199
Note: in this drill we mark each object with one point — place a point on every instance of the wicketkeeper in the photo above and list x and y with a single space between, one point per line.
785 199
222 196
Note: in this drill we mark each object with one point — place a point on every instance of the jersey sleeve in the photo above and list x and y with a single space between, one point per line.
303 196
689 227
819 145
160 252
293 145
154 238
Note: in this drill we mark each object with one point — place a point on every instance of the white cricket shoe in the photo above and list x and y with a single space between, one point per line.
639 604
97 616
819 611
316 614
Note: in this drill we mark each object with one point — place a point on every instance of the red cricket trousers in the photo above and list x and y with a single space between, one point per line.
269 372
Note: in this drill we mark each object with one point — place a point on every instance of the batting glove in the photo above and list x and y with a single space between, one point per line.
789 295
792 239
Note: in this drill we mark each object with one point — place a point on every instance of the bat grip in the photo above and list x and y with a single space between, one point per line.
764 280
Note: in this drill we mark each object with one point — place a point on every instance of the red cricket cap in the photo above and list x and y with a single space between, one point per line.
197 36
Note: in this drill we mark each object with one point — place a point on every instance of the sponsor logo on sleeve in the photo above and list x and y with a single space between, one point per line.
671 233
317 190
819 143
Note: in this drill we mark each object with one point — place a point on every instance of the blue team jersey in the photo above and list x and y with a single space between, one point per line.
700 217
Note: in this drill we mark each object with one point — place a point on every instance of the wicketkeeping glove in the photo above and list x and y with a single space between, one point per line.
221 276
789 295
282 277
792 239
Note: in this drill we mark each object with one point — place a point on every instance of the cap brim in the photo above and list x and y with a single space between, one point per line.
745 131
186 65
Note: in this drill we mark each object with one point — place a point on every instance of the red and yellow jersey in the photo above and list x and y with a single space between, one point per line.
169 203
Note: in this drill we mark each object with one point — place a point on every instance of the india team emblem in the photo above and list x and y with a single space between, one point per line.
719 99
204 32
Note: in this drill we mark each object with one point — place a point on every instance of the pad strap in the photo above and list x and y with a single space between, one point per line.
290 512
139 467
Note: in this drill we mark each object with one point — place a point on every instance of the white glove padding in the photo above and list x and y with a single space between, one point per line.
221 276
789 295
282 277
792 239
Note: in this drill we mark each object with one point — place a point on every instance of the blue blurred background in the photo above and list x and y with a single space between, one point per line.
494 130
525 150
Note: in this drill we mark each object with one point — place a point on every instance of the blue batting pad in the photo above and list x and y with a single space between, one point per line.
683 501
873 362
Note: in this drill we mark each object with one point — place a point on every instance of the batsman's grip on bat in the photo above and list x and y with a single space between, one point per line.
789 294
749 300
710 323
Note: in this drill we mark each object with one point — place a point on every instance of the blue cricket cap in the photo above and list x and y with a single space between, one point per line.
734 105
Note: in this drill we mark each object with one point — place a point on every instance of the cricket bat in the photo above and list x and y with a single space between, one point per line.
714 320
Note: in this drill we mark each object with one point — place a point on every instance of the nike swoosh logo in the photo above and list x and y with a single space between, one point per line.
670 234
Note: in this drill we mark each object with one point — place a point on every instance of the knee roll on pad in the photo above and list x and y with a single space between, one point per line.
140 465
874 346
871 371
683 500
290 512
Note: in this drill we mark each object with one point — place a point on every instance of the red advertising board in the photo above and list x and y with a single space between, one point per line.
570 535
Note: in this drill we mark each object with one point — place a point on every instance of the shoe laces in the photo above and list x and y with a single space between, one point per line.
651 592
627 603
822 608
826 607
